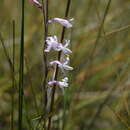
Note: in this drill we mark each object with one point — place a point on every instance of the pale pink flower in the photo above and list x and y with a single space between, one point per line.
36 3
51 83
63 22
52 43
62 84
64 48
62 66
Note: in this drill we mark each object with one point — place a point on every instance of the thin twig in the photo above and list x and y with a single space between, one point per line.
120 77
45 17
99 109
100 31
45 14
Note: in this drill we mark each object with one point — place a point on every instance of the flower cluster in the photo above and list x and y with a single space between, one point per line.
54 45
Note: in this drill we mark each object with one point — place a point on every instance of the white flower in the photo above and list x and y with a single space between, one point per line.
62 84
66 60
51 83
64 48
62 66
64 22
37 3
52 43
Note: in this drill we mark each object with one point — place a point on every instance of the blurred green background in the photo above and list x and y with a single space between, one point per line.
98 94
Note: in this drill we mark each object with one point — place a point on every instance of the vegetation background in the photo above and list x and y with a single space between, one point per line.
98 94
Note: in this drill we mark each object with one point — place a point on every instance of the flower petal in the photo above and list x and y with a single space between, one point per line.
67 67
48 49
66 50
52 43
63 84
64 22
65 79
55 62
51 83
37 3
67 42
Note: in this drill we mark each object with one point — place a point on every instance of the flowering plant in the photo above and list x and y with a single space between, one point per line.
53 44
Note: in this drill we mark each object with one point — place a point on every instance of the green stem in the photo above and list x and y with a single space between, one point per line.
13 78
21 71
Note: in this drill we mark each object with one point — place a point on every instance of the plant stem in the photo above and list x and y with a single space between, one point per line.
21 71
13 77
45 13
45 17
57 69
